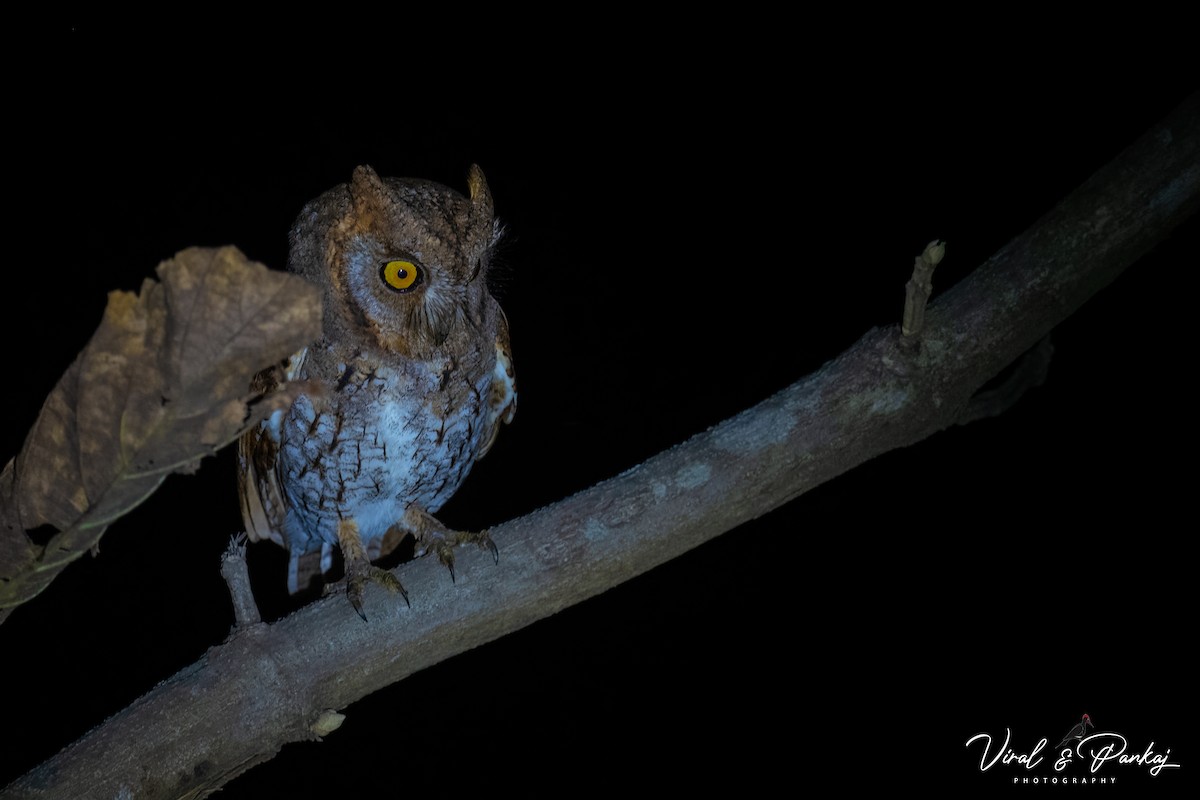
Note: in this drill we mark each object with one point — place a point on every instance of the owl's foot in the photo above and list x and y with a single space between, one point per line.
357 576
443 546
359 570
436 537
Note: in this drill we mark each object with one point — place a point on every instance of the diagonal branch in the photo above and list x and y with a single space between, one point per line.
271 684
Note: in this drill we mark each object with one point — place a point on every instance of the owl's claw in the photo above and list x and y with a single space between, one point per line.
354 593
359 570
357 577
443 544
444 550
432 535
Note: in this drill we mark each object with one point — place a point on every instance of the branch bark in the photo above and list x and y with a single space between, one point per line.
272 684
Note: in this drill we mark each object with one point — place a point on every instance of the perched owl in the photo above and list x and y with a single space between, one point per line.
406 388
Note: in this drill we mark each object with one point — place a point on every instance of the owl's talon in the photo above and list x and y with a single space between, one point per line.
390 582
354 594
484 540
357 579
432 536
359 570
444 544
445 554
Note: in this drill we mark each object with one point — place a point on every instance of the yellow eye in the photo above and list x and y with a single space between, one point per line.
400 275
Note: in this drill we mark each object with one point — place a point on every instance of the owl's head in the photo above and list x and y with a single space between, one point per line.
402 262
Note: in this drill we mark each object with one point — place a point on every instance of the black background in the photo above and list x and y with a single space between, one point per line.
684 240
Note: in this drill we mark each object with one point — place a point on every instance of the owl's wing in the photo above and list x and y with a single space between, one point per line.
502 399
258 486
264 505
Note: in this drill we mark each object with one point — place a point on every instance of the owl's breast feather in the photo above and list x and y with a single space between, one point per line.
381 440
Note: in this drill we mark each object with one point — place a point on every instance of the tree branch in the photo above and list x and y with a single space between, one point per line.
1028 373
272 684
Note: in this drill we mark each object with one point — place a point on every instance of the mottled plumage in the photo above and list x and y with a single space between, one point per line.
406 389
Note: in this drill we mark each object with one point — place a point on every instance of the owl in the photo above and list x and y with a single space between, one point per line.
405 390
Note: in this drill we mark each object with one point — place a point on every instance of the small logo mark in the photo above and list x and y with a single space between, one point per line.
1078 732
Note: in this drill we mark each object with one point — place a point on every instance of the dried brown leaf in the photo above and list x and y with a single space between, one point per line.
163 382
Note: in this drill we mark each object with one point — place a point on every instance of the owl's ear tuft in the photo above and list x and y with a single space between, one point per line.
477 184
482 210
367 189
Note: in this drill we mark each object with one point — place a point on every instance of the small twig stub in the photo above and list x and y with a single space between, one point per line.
237 578
920 287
